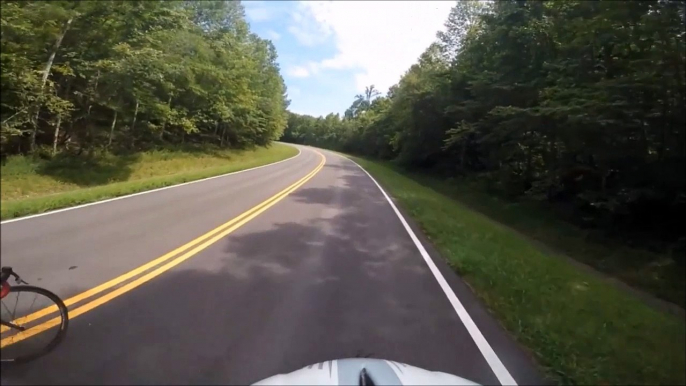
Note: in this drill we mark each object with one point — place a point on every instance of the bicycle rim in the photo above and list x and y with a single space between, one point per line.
21 301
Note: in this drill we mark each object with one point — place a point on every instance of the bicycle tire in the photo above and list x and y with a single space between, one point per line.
64 313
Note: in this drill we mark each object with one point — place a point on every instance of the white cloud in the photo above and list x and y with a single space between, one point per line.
256 11
306 36
306 29
273 35
310 68
379 40
298 72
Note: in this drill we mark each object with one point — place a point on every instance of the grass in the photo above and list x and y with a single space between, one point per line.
581 329
31 185
651 272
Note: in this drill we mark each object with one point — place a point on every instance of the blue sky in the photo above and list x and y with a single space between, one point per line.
330 50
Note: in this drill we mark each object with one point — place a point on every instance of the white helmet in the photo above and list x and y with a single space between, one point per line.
363 371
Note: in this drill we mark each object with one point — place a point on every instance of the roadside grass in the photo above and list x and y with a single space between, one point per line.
580 328
651 272
31 185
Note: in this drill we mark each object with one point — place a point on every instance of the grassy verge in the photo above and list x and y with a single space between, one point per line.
32 185
581 329
651 272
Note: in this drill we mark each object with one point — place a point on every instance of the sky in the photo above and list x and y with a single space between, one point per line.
330 50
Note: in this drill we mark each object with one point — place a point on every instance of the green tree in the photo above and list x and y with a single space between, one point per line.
576 103
135 74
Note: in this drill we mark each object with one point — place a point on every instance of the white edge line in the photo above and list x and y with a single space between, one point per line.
491 357
146 191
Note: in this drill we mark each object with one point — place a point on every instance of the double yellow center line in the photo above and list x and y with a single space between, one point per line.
197 245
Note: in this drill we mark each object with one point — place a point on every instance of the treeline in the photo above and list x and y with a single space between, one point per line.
576 104
133 75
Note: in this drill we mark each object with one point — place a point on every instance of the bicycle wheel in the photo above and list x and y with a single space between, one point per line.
21 342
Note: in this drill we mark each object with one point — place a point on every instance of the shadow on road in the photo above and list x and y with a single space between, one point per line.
342 281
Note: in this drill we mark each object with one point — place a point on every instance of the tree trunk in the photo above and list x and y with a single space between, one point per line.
57 134
114 123
59 121
89 128
221 143
164 124
133 126
135 115
44 80
95 89
67 134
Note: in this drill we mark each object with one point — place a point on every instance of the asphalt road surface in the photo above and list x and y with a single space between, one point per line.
326 271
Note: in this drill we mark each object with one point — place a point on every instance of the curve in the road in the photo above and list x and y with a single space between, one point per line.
486 350
144 192
335 262
197 245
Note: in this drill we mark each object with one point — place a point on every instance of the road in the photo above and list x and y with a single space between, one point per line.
325 270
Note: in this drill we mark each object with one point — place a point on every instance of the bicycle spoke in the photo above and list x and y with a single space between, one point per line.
8 310
15 305
40 340
32 303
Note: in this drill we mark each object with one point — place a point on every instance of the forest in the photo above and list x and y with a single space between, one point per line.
576 105
80 77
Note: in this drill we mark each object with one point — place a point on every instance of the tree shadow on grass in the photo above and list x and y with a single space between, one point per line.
208 149
86 171
89 170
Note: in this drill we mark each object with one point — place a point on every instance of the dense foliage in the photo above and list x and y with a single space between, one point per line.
134 74
576 104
